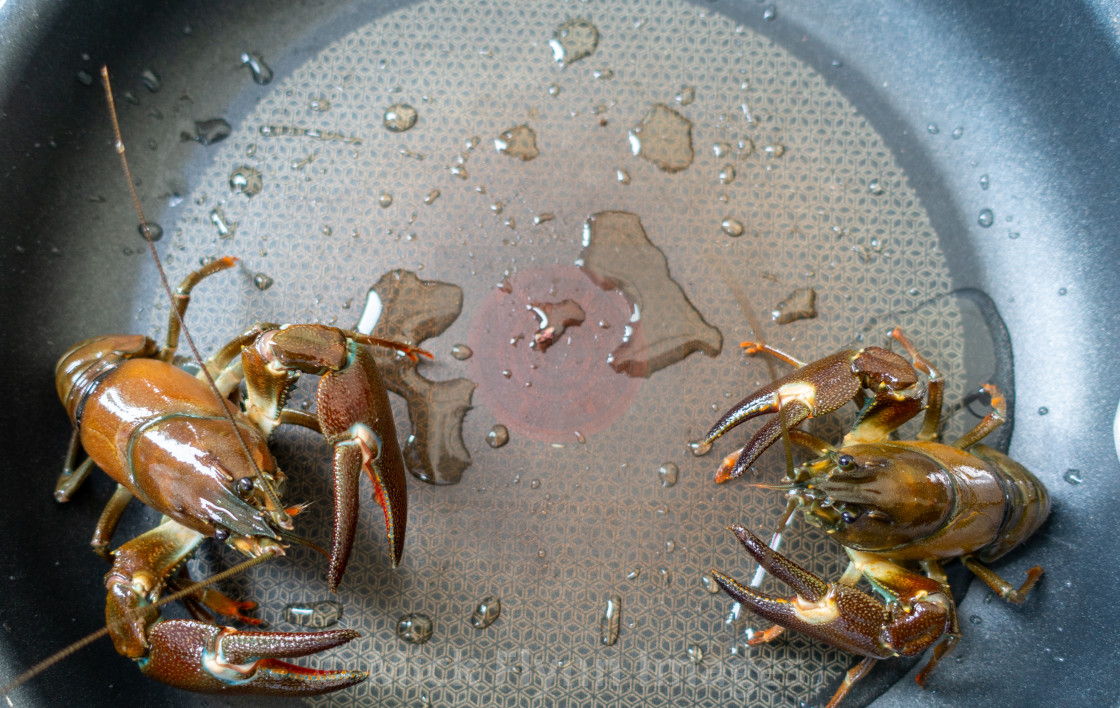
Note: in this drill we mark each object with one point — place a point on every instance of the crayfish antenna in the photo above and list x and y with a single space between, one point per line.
146 230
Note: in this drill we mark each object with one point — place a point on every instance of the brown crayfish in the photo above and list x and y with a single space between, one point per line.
194 448
900 508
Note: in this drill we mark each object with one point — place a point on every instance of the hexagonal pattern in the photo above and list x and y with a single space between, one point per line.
555 531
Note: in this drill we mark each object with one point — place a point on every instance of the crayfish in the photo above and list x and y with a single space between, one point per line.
900 508
195 449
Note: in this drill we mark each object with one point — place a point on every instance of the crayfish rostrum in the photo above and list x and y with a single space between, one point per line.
195 449
900 508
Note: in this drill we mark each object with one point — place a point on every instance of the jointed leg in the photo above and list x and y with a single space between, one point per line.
854 674
71 478
990 422
1001 587
107 524
756 347
935 391
182 297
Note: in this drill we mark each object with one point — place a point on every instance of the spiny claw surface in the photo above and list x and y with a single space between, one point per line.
355 417
202 657
837 614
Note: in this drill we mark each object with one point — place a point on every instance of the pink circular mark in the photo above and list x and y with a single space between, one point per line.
569 387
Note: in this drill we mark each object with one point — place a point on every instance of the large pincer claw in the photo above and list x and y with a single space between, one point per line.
202 657
356 418
837 614
813 390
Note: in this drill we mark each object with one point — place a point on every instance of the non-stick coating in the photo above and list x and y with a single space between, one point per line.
1033 85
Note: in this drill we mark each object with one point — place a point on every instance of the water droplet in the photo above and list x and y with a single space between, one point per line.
975 619
776 150
226 229
385 200
699 449
933 129
322 104
986 218
1013 235
208 132
769 12
246 180
535 484
603 74
727 174
262 73
622 176
151 80
1062 291
670 546
315 615
432 196
1043 410
461 352
695 653
554 90
731 227
957 133
611 621
686 95
721 149
262 281
1073 476
399 117
486 612
876 187
633 574
709 583
668 473
664 137
498 436
519 142
542 218
154 230
573 40
984 182
496 208
415 628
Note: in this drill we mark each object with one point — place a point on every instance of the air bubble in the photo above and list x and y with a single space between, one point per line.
415 628
385 200
399 117
573 40
611 621
486 612
668 473
1073 476
986 218
262 281
151 80
461 352
732 227
262 73
246 180
154 230
498 436
315 615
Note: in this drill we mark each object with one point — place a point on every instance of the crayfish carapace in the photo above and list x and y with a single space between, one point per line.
900 508
194 448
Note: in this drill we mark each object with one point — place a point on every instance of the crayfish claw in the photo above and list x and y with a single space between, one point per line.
202 657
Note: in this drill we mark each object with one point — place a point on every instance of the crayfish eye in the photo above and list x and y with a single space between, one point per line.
846 462
245 486
848 516
221 534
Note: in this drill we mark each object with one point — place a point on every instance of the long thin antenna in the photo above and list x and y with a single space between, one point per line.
146 230
91 638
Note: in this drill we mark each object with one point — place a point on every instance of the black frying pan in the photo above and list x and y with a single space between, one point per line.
1034 86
